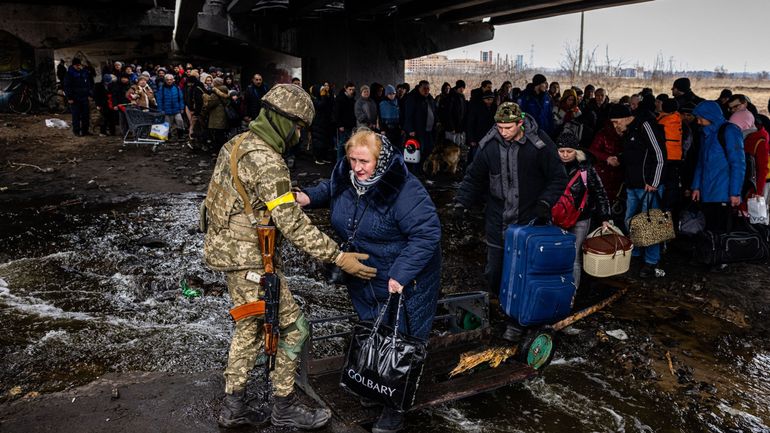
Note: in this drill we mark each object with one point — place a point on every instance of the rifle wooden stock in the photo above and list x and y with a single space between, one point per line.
266 237
271 340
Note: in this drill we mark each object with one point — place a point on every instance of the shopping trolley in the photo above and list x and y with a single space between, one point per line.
139 122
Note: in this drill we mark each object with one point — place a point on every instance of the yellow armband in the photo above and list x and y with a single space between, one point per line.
286 198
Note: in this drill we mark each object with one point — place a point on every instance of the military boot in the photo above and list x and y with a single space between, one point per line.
236 412
289 412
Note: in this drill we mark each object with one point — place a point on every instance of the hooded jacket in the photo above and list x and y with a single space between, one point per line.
719 171
540 176
644 152
399 228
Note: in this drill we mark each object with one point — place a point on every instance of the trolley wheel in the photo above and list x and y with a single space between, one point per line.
537 348
20 103
471 321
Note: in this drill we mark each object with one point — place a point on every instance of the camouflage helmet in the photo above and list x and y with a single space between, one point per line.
291 101
508 112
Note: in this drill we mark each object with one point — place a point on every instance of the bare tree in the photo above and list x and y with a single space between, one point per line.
658 67
720 72
570 61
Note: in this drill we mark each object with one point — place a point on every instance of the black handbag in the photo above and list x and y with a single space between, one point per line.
382 364
740 243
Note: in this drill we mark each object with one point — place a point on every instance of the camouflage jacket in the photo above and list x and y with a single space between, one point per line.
231 241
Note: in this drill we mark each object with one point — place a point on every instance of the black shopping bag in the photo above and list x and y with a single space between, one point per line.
384 365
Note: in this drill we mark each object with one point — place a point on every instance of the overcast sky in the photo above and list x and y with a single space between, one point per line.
699 34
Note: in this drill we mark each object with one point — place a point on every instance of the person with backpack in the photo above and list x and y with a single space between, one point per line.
583 197
721 166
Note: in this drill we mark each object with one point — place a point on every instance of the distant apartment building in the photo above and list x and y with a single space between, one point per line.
519 63
437 64
485 56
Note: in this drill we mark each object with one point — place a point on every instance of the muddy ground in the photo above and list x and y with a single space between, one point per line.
696 357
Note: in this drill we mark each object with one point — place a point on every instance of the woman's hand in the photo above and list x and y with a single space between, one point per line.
606 225
301 198
394 286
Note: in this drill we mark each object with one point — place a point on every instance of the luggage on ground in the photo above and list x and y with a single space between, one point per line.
537 286
691 221
740 243
606 252
382 364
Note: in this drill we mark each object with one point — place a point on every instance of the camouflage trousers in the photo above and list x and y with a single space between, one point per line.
248 339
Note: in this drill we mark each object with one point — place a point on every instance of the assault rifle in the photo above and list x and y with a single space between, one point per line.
271 287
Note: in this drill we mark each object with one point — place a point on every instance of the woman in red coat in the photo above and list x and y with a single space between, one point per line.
606 147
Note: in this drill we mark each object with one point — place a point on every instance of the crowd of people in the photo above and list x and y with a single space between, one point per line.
522 147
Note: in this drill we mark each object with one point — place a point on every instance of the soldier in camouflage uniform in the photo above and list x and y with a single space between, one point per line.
231 245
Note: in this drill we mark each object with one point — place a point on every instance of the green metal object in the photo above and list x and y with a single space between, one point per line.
470 321
539 351
187 291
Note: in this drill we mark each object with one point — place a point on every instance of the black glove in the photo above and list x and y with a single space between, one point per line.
458 211
543 211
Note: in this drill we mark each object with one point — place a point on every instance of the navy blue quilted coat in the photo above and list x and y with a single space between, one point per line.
399 228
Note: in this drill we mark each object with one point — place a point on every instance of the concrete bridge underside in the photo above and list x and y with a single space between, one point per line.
357 40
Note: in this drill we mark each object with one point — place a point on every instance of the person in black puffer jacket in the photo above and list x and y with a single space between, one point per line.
597 203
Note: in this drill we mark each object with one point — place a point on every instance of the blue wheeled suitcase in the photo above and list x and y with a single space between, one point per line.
537 286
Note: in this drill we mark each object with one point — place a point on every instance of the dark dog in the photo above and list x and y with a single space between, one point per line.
448 155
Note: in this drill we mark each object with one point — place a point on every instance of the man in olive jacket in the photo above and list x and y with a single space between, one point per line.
518 175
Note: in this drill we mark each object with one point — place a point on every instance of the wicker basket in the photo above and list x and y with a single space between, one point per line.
606 252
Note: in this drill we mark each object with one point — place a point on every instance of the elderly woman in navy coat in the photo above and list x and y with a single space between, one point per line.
384 211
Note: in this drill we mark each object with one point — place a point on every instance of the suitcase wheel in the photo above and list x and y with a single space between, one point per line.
471 321
537 348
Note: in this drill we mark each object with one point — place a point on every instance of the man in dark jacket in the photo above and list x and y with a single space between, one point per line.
61 71
253 97
518 171
643 159
476 94
537 103
419 120
683 93
481 117
344 116
454 118
193 97
78 86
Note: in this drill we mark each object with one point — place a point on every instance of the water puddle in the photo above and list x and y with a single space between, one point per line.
92 289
